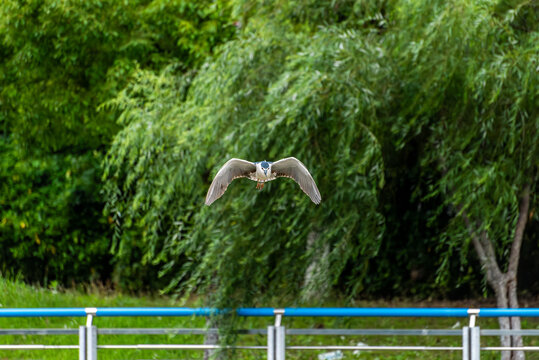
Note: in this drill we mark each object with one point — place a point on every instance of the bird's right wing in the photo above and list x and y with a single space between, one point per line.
294 169
233 169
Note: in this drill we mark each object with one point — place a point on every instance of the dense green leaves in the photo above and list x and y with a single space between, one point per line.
249 103
52 227
447 83
64 58
483 137
411 115
59 61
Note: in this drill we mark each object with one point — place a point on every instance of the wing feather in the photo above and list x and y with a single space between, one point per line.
294 169
232 169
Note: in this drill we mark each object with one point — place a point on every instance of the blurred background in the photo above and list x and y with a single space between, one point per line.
417 119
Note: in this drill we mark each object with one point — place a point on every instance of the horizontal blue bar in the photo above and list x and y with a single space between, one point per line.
45 312
179 311
497 312
156 311
380 312
288 312
255 312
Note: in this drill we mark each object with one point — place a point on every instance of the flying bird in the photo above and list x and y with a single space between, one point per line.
261 172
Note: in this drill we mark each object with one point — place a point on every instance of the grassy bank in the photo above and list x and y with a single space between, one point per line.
16 294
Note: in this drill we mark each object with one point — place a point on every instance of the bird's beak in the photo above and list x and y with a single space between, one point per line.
265 172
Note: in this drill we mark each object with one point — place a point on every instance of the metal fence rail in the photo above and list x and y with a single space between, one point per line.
276 334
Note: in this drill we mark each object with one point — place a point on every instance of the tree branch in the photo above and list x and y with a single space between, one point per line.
475 239
491 256
514 257
485 251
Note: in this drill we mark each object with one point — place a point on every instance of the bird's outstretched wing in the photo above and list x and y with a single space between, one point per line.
233 169
293 168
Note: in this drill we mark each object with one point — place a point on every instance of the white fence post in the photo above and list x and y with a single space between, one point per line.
91 334
466 343
82 342
474 340
475 343
280 342
91 343
271 342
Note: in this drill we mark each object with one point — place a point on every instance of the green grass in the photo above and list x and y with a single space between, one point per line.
17 294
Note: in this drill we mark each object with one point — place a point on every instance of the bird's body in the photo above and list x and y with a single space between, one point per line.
261 172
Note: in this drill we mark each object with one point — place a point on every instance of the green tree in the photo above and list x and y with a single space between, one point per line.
63 58
59 61
262 97
476 98
50 225
453 82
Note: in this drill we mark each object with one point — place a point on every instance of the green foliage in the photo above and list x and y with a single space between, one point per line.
63 58
409 114
467 91
250 102
58 61
51 225
441 91
465 127
477 105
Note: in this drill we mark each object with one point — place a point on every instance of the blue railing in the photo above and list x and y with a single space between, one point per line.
268 312
276 345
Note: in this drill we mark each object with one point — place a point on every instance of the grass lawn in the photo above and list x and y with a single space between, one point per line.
16 294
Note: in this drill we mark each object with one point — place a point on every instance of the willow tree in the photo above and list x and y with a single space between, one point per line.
472 70
341 95
265 96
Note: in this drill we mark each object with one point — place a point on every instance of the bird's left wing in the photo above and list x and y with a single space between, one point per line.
293 168
233 169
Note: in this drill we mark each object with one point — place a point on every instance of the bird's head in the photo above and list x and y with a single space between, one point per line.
265 166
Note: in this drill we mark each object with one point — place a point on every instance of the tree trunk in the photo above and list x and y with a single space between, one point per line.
211 338
502 301
504 284
316 278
